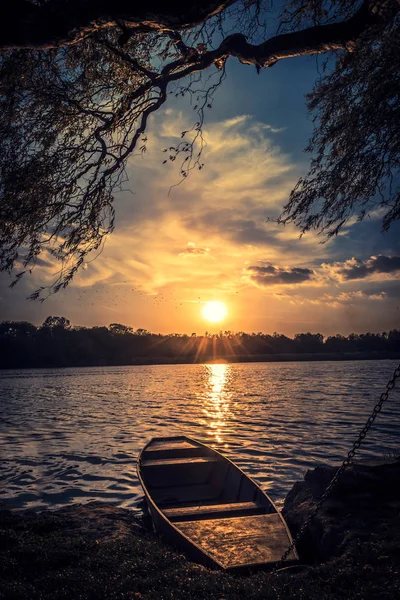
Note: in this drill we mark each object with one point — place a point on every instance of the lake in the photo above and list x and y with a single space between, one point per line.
73 435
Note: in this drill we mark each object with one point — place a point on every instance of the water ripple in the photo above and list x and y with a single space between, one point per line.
70 435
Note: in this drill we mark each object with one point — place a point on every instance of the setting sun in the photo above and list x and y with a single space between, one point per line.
214 311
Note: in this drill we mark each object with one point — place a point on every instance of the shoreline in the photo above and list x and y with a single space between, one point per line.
290 357
228 359
98 551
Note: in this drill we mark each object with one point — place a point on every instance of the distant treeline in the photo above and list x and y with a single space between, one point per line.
58 344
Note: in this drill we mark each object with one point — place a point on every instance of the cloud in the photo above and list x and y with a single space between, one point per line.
267 274
246 179
340 300
361 269
349 298
231 225
191 250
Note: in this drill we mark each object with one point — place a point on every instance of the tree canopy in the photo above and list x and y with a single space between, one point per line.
58 344
80 79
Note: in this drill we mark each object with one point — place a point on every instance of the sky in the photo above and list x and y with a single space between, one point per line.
211 238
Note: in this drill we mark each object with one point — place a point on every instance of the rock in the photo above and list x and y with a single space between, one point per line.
366 498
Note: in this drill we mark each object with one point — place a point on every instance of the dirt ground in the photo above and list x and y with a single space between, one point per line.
99 551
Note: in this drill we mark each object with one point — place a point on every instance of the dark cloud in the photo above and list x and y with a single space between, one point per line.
44 263
227 223
359 269
267 274
365 239
39 261
245 231
390 288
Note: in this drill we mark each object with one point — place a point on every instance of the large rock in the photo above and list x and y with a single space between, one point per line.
365 503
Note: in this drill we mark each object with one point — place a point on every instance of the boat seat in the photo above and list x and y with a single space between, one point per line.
172 496
174 449
214 511
178 471
162 462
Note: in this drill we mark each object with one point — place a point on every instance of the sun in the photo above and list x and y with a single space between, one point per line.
214 311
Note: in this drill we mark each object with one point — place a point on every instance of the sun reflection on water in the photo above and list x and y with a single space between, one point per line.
217 402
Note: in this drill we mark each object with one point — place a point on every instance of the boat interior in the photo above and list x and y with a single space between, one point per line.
189 481
213 504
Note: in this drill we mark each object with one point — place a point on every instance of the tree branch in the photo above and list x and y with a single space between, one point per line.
313 40
58 23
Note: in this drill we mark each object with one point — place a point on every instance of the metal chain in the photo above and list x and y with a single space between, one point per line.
377 409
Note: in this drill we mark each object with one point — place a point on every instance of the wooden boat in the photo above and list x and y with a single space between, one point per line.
204 504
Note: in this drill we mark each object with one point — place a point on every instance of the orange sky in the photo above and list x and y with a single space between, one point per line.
208 239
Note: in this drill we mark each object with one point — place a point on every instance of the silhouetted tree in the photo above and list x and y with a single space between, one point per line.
80 79
356 142
24 345
309 342
17 328
118 329
335 343
56 323
141 332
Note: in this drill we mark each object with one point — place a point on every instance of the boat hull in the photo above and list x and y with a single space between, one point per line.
208 507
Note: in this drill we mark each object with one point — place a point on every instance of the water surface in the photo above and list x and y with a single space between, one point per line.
73 435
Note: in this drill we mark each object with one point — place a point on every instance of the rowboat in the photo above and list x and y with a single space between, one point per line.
207 506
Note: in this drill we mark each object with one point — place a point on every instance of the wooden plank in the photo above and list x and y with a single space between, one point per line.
240 541
169 444
163 462
175 495
177 472
217 511
173 448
